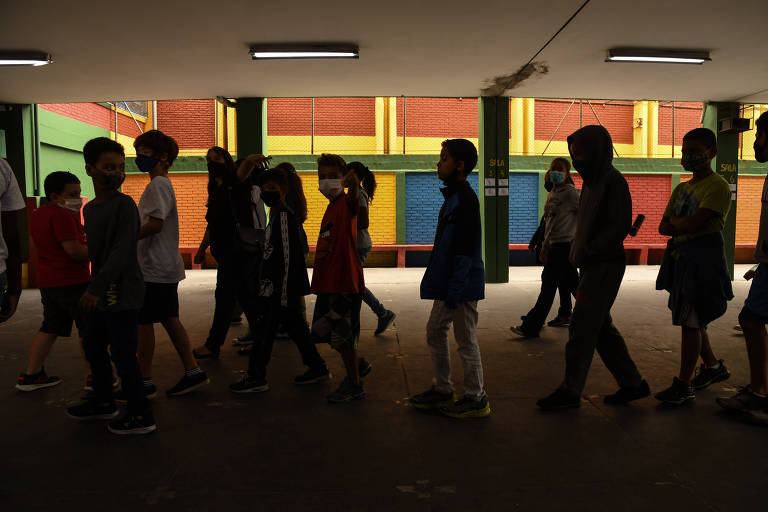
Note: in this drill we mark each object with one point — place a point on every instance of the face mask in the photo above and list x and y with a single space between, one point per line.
548 185
271 198
760 153
73 204
557 177
693 162
256 194
217 169
109 181
146 163
330 188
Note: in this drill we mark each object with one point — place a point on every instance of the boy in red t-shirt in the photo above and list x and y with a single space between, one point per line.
63 273
337 278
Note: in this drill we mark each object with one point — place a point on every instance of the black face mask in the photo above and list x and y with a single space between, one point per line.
548 185
760 153
217 169
271 198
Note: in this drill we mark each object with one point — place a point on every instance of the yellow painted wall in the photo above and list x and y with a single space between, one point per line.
423 145
302 144
560 148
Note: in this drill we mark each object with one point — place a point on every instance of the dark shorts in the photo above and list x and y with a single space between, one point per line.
61 308
337 319
161 302
756 305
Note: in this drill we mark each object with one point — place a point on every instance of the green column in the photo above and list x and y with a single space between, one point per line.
251 126
726 164
493 165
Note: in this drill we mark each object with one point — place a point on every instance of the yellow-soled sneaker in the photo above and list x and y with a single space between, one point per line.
468 408
432 399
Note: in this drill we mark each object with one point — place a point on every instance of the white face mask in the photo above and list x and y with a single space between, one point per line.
73 204
331 188
255 193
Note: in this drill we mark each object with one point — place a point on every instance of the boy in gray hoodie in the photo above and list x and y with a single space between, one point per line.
604 220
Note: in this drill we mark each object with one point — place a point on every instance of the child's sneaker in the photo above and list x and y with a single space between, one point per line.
432 399
705 376
364 368
92 410
677 394
249 385
244 340
37 381
468 408
187 384
149 392
518 329
312 376
560 321
560 399
89 382
627 394
131 424
384 322
745 401
347 392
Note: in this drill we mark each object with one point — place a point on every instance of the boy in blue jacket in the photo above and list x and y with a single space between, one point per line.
455 280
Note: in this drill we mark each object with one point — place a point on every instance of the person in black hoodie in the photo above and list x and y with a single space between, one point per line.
604 220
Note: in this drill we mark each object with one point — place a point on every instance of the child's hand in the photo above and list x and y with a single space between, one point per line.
350 181
89 301
750 274
259 161
199 256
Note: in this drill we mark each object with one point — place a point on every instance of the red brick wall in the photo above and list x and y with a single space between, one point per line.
345 116
289 116
650 194
191 122
438 117
687 117
617 117
95 115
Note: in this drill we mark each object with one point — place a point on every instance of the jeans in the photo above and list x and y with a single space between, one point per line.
464 319
293 319
235 283
119 332
592 328
368 297
558 274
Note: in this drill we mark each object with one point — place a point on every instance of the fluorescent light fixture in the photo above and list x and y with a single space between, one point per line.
23 58
657 56
304 51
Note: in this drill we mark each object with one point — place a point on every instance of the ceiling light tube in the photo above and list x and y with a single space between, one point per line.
654 55
304 51
24 58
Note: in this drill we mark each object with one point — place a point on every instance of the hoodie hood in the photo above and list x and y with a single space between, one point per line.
596 148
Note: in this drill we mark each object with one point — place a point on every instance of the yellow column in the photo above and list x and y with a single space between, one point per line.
517 126
640 139
381 126
392 133
221 125
231 130
529 139
652 133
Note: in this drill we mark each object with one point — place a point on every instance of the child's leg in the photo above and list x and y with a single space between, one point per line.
293 317
757 351
437 338
146 349
38 352
123 335
95 343
264 333
82 353
180 339
707 355
464 328
349 356
689 352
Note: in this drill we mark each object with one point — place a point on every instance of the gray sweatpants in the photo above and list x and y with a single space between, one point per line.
592 328
464 319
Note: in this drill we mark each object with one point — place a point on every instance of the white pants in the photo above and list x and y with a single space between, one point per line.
464 319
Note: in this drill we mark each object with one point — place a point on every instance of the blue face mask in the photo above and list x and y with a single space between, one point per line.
146 163
556 177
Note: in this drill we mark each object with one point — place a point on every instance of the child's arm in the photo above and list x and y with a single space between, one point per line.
75 250
152 227
466 239
285 237
204 244
665 228
249 164
350 182
685 225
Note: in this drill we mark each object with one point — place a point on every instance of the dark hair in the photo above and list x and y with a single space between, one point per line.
94 148
331 160
228 162
761 125
295 197
567 165
703 135
159 143
365 175
462 150
56 182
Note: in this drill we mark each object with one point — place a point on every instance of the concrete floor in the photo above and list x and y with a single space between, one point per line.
288 450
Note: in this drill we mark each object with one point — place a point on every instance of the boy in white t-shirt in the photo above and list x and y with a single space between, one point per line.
161 263
11 201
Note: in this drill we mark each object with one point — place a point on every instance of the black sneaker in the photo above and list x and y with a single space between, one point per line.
627 394
242 341
347 392
677 394
132 424
37 381
705 376
560 321
468 408
92 410
312 376
432 399
249 384
385 321
560 399
745 401
364 367
518 329
89 382
149 392
188 384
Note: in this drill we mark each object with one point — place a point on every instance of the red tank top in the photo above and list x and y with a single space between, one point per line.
337 267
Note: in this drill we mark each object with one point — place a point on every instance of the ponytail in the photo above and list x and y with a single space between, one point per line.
367 178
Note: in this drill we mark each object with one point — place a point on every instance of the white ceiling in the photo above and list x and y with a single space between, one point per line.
170 49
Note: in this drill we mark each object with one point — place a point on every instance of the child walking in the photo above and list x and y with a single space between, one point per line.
337 279
364 243
115 295
63 273
283 283
694 270
455 281
161 263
